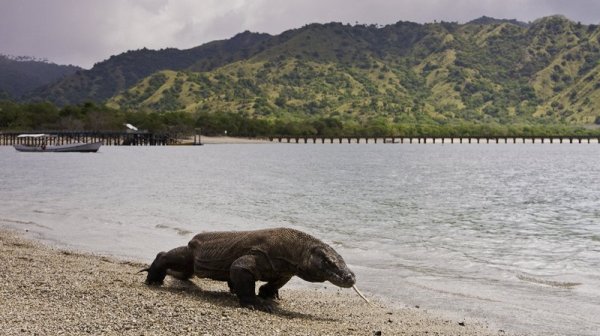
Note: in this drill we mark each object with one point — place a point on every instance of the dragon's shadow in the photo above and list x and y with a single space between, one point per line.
226 299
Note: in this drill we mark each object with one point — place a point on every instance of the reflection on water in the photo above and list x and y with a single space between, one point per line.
506 233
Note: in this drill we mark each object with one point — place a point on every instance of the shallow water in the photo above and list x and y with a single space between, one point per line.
509 234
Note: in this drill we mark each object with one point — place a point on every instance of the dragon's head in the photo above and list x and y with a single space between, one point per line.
323 263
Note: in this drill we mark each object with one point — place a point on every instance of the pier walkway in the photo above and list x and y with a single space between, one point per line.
142 138
436 140
107 138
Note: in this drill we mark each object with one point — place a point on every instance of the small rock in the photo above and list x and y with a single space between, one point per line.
377 333
462 324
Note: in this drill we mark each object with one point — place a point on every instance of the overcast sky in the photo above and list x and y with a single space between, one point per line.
83 32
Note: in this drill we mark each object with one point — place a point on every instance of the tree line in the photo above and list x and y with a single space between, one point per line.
44 116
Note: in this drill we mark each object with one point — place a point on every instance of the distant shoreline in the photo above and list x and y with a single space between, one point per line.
51 291
218 140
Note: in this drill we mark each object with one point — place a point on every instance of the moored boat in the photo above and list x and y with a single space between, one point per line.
45 143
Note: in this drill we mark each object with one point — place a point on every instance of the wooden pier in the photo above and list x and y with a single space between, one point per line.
141 138
438 140
107 138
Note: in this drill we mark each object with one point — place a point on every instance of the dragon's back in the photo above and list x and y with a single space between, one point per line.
214 252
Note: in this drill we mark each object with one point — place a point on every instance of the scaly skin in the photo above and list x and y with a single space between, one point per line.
241 258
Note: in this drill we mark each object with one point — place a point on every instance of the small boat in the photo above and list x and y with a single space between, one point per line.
46 143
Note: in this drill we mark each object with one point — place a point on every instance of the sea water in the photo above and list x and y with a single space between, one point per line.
508 234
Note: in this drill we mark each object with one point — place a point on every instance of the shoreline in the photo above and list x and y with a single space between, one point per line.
229 140
222 140
48 290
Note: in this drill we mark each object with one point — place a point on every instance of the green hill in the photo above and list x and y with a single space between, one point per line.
120 72
485 70
20 75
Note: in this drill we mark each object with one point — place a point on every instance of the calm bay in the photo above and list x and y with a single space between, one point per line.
504 233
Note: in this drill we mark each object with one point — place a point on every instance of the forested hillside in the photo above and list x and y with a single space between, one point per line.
485 77
20 75
120 72
485 70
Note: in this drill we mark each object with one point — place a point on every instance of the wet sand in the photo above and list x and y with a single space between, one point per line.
49 291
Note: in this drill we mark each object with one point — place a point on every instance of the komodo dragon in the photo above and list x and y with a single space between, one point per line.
241 258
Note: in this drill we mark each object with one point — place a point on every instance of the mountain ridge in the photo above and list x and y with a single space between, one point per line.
121 71
21 74
486 70
498 71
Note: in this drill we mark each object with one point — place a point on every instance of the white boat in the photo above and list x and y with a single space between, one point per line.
47 143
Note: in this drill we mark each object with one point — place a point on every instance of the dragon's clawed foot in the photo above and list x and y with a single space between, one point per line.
153 282
268 293
154 278
256 303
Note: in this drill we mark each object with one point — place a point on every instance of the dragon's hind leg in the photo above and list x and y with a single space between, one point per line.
178 262
270 290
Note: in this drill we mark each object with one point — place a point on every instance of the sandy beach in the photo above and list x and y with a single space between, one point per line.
222 140
49 291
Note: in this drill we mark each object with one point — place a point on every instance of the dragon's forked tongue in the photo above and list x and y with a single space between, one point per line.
361 295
